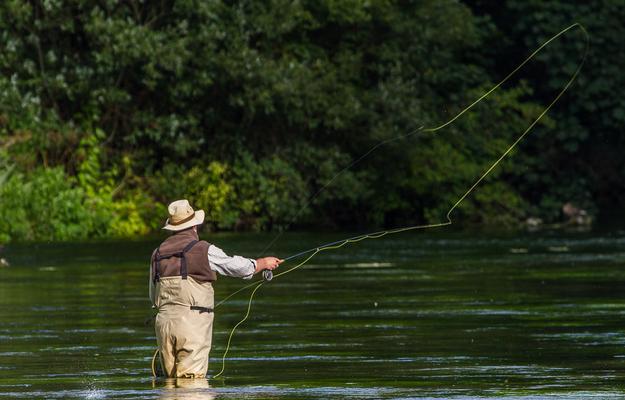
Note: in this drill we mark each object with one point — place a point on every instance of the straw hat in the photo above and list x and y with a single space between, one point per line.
182 216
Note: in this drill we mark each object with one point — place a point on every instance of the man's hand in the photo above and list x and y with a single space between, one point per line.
269 263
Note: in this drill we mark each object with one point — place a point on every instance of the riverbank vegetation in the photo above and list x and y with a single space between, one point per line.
109 110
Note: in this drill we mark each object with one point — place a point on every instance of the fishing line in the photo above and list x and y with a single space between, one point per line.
376 235
312 252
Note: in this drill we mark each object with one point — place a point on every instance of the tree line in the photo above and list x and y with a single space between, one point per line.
250 109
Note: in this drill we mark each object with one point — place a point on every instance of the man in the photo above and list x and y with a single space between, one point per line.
182 271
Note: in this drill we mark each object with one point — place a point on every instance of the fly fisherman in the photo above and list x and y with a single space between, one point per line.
182 273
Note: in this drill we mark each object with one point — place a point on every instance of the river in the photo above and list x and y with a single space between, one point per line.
438 314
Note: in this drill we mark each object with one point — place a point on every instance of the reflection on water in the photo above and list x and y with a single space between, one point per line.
186 389
446 315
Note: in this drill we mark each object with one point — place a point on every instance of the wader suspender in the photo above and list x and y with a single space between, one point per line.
183 269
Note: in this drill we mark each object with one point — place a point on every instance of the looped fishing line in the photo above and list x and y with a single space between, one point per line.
375 235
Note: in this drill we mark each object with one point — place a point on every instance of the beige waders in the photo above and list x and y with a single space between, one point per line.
184 325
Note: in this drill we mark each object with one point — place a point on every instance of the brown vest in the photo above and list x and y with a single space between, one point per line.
183 254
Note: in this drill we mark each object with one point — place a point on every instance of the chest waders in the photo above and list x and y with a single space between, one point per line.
184 323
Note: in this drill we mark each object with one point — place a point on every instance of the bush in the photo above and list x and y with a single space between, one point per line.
267 194
49 204
43 206
204 187
111 215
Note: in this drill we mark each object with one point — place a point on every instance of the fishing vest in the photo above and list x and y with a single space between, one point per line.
184 255
181 275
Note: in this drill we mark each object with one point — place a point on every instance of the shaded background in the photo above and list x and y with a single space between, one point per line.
109 110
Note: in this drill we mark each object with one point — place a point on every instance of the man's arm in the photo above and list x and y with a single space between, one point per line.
237 266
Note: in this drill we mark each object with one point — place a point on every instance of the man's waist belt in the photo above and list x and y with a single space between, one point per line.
193 308
202 309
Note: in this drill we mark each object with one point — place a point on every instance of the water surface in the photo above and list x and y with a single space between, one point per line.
426 315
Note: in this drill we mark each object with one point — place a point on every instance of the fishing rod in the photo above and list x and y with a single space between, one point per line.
268 274
353 238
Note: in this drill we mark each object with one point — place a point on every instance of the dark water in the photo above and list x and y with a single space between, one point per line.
436 315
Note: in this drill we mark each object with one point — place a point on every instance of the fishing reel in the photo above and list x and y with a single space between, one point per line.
267 275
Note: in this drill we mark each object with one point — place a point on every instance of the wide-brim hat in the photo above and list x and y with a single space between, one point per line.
182 216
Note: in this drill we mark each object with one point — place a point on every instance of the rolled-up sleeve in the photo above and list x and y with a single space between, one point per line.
235 266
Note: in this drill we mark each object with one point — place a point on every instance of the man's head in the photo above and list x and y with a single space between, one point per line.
182 216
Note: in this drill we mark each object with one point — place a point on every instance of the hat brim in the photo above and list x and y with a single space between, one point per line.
197 220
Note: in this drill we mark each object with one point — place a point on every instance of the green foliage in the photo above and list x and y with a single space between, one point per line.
204 187
267 193
578 158
111 215
336 193
47 204
252 110
43 206
246 195
6 168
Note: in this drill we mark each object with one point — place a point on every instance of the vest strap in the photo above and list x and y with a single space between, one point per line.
183 260
156 266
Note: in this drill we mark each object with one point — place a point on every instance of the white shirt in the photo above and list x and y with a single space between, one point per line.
236 266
